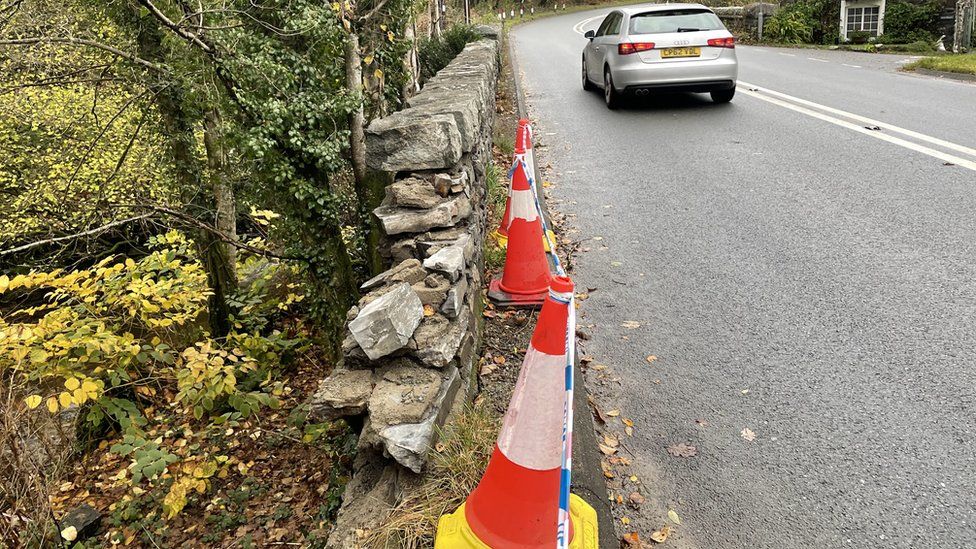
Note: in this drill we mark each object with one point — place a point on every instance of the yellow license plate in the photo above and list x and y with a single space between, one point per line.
681 52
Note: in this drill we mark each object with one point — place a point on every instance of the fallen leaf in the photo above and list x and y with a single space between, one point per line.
625 521
599 414
661 535
745 391
629 430
633 478
613 413
429 310
70 533
610 441
650 359
683 450
598 367
499 359
607 472
627 422
748 434
630 324
674 516
607 450
636 498
632 541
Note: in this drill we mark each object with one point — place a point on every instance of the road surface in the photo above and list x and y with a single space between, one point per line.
795 274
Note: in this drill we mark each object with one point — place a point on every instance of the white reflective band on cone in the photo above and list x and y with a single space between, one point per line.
523 206
531 434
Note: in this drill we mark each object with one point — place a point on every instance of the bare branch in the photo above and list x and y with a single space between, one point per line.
180 31
75 236
83 42
373 11
196 223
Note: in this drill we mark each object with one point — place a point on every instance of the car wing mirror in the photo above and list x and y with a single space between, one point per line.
589 35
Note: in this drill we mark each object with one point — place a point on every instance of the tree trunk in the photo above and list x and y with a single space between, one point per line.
410 60
223 191
178 128
357 147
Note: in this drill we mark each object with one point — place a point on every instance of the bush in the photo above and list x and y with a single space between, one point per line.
789 26
905 22
121 343
859 37
805 21
435 53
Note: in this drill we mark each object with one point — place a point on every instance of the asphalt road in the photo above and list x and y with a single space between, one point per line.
795 274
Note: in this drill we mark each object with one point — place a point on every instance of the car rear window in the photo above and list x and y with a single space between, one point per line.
680 20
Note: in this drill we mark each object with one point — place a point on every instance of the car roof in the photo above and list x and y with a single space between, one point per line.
644 8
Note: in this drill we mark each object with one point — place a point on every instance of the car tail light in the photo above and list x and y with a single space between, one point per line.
634 47
722 42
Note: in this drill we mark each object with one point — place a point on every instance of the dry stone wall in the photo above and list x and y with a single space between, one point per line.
410 346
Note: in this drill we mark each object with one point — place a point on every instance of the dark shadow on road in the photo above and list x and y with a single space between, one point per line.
665 102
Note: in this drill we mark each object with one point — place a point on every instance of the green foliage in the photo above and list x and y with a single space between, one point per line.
906 22
789 26
960 63
105 339
436 53
53 180
805 21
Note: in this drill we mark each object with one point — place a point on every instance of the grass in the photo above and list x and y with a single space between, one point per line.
962 63
456 467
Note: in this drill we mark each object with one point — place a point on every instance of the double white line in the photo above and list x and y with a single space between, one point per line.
857 123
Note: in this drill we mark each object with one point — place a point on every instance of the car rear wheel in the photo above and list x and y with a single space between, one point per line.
610 94
723 96
587 85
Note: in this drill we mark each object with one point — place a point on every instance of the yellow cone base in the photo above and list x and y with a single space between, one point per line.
502 240
453 531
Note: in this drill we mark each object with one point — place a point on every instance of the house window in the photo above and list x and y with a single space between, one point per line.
863 19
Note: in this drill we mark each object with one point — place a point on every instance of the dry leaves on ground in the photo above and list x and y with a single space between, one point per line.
748 434
660 536
683 450
673 515
630 324
631 541
650 359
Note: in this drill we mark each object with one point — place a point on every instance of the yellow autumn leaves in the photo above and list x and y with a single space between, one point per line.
78 391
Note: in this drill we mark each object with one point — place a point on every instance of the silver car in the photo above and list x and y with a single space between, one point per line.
661 48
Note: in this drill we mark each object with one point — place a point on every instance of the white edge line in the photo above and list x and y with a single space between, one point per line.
578 27
869 121
873 133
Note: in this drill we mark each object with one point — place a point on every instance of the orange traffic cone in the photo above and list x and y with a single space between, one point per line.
516 504
523 150
525 280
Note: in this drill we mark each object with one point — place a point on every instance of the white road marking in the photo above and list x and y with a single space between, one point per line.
869 121
852 66
578 27
945 157
818 60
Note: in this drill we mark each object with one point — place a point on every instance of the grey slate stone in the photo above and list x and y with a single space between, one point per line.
409 270
437 340
449 260
386 323
407 141
343 393
454 300
409 443
449 212
413 193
